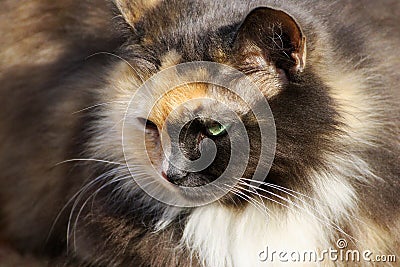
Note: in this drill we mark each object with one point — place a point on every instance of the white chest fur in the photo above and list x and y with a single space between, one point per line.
223 237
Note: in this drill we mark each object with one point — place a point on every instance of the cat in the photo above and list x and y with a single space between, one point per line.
72 161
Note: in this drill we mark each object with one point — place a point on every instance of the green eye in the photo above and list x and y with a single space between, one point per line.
216 129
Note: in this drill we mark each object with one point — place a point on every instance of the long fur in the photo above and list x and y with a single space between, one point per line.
68 70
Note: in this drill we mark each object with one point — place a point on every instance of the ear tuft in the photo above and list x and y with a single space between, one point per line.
132 10
274 36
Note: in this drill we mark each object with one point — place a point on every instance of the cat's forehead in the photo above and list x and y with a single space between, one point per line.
197 99
184 90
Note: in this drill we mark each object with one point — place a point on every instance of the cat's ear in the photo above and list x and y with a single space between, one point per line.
269 36
132 11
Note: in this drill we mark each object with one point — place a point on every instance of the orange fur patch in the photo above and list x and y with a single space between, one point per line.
173 99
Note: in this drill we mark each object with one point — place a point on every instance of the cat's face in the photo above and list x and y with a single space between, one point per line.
182 118
199 124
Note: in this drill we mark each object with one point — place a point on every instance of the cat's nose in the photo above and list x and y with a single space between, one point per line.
174 175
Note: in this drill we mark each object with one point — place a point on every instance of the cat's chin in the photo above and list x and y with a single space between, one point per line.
193 180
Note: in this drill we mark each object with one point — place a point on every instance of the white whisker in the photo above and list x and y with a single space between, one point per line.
257 204
115 180
326 221
292 192
99 105
95 160
84 189
119 57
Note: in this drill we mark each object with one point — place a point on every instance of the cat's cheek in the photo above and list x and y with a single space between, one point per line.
154 151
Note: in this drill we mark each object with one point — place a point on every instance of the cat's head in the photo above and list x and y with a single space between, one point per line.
198 97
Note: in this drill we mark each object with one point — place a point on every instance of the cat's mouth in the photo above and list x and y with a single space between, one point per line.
189 179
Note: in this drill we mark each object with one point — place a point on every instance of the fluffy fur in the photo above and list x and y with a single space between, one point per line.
69 68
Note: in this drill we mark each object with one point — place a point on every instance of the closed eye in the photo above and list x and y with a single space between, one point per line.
150 126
